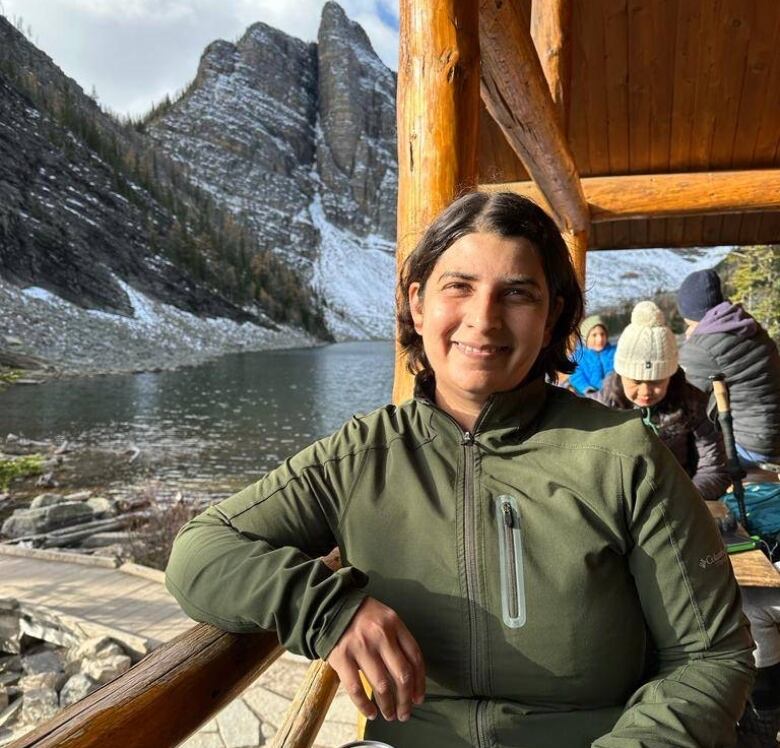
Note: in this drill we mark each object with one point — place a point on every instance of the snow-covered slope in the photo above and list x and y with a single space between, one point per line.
617 277
157 336
356 275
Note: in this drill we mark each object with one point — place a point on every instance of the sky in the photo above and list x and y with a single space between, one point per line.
134 52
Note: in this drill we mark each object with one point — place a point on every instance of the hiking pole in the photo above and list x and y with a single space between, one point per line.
736 473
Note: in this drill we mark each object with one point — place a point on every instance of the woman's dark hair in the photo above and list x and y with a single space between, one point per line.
509 216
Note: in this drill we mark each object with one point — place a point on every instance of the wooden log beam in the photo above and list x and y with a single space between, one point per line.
438 120
643 196
165 697
551 34
515 93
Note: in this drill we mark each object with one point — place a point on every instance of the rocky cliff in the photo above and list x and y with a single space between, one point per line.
64 223
92 212
300 140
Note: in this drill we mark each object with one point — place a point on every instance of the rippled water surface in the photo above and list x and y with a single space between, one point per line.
219 425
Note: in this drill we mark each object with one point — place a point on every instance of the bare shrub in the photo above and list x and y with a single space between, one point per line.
151 537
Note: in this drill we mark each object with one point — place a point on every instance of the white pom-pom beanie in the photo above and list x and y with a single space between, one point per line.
647 349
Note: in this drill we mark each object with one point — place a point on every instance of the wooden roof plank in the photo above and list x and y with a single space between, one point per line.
734 37
615 20
754 100
664 15
769 229
598 120
675 228
693 231
640 56
661 72
497 161
731 225
711 229
615 31
708 85
578 125
735 85
686 54
765 150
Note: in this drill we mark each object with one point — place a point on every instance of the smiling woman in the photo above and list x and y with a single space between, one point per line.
519 566
483 317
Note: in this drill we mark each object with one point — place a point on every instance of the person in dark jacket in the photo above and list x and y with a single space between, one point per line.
595 358
722 338
646 376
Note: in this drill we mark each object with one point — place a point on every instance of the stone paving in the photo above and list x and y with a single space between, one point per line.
99 594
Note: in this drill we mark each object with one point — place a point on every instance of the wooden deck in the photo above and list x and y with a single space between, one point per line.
132 604
116 598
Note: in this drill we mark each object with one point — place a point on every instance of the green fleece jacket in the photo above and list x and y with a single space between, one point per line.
563 578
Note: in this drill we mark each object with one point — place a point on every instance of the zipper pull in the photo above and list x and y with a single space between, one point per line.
509 519
468 438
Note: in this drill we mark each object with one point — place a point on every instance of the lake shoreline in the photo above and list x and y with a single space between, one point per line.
43 337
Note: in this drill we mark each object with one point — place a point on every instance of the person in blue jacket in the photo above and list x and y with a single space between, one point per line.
595 358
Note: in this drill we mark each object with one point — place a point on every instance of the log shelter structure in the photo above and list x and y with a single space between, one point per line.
635 123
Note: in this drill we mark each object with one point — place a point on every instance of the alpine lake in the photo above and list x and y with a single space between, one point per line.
205 430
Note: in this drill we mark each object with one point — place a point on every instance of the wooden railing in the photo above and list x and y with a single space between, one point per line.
307 712
165 697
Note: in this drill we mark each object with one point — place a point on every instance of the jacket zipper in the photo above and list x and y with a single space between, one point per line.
511 547
469 509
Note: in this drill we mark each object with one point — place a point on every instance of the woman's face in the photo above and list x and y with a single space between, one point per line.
484 316
597 338
645 393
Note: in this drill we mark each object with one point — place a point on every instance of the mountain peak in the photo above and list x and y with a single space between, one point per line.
334 22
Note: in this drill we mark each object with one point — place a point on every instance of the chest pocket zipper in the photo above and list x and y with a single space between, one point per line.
511 546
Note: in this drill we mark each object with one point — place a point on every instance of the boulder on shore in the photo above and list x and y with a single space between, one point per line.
45 519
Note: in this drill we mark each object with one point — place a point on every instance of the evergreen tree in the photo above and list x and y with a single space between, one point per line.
755 283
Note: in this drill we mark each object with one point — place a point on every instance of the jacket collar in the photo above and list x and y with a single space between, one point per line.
515 409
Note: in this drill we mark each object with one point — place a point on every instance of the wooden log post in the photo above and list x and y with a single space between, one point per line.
438 121
577 242
306 714
165 697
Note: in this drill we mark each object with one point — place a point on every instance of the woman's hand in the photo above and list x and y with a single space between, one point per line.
378 643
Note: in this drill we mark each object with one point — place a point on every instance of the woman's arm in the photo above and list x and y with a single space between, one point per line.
692 608
251 561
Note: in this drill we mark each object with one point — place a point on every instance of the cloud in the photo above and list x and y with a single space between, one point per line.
135 51
134 10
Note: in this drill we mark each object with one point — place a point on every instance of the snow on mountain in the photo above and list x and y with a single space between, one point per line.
357 277
627 276
299 139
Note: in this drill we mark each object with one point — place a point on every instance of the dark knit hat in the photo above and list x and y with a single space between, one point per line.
699 292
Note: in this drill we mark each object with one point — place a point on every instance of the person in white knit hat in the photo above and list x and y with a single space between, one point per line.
646 356
647 376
